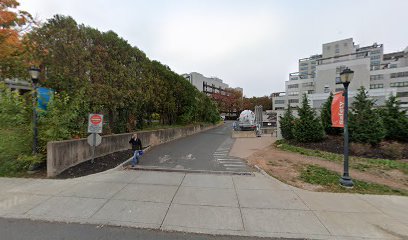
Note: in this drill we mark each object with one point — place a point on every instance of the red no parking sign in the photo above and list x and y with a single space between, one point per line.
95 123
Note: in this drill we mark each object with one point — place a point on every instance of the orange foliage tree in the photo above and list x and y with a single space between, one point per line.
14 23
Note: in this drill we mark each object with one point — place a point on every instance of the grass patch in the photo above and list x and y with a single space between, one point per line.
330 181
358 163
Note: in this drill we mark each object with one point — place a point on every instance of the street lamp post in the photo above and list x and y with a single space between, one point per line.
35 74
346 76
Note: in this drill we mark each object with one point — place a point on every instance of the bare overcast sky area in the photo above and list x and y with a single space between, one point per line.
251 44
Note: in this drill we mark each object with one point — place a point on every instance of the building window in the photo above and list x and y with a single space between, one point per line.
337 50
375 62
303 76
375 86
340 68
308 84
399 74
294 78
337 80
293 100
310 91
304 64
328 48
399 84
402 94
293 86
375 57
326 89
339 89
377 77
279 101
376 52
293 93
304 68
279 108
362 54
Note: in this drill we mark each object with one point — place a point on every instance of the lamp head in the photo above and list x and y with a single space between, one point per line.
346 75
34 73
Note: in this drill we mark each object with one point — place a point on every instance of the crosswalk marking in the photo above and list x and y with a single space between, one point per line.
231 169
228 162
234 165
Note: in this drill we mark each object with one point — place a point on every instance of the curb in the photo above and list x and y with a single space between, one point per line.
157 169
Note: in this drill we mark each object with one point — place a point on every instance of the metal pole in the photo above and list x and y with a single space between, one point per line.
93 146
346 179
35 130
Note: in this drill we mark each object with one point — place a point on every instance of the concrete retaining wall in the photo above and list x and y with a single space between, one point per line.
62 155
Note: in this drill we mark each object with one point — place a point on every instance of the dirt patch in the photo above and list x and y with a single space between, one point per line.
334 144
286 166
100 164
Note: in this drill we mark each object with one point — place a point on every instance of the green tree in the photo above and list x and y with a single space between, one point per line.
365 124
395 120
119 81
287 123
307 127
325 117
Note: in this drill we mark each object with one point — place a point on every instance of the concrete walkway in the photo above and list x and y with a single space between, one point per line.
206 203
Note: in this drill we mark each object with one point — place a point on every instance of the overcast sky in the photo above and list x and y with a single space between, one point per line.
252 44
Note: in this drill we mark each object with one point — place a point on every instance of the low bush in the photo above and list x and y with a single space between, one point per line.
392 150
360 149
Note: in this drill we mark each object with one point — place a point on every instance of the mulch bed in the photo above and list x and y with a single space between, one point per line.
100 164
334 144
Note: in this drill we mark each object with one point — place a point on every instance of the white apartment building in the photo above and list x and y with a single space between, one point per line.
381 74
208 85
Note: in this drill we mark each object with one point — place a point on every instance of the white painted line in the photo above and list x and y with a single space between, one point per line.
232 168
234 165
228 159
231 160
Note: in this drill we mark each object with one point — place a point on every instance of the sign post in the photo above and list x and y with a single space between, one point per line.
95 123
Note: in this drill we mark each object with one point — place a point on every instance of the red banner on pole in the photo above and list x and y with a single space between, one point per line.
337 110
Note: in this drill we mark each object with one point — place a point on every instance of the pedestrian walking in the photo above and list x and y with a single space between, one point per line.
136 148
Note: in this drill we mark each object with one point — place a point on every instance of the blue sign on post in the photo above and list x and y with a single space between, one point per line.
44 96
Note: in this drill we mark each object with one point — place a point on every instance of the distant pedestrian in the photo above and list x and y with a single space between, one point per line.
136 148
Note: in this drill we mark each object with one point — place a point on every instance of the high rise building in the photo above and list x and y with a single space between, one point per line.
380 73
208 85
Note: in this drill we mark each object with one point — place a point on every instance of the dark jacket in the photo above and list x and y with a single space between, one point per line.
136 144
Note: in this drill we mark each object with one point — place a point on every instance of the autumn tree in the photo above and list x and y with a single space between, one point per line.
14 23
250 103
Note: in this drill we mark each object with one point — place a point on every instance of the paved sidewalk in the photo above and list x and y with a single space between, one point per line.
217 204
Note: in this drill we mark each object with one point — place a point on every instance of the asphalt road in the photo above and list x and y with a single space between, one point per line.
202 151
19 229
